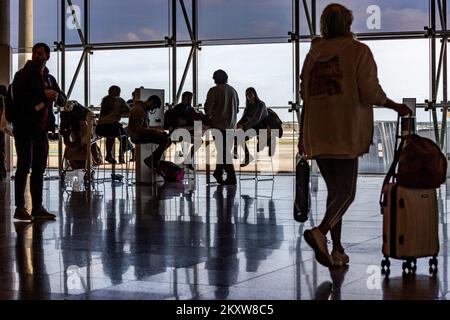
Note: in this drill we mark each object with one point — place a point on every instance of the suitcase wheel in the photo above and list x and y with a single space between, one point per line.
385 267
409 267
433 266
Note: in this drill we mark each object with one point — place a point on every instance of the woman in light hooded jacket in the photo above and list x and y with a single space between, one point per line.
339 87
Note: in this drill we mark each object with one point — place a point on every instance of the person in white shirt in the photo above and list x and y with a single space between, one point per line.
221 108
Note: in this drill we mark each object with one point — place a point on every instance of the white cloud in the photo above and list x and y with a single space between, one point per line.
150 34
131 36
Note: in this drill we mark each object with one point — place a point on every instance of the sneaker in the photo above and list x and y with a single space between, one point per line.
318 242
42 214
22 214
339 259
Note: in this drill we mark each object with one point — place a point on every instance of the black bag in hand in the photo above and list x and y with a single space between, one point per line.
302 199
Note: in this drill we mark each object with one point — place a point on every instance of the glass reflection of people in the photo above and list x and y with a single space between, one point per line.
148 245
255 114
267 234
223 264
115 260
221 108
81 227
34 281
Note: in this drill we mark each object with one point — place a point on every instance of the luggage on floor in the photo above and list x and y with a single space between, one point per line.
410 224
410 217
170 171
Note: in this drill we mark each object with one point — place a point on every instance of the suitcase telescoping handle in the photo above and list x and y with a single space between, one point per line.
391 172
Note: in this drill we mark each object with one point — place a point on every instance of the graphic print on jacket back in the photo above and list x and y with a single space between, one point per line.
326 78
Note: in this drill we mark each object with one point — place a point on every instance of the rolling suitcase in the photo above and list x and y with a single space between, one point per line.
410 222
410 226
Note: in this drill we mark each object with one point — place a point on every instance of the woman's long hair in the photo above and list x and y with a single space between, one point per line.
251 89
335 21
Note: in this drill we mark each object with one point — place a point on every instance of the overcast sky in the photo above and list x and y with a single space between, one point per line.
403 65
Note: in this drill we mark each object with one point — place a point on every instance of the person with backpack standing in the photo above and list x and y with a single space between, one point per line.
339 87
34 92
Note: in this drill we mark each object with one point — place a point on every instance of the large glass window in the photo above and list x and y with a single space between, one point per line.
129 69
128 21
267 68
74 22
236 19
384 15
46 21
401 75
72 61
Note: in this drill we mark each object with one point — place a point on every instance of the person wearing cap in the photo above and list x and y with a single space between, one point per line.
221 108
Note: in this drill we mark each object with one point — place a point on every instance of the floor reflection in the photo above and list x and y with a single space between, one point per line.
30 263
195 241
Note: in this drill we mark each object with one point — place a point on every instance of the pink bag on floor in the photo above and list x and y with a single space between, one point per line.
170 171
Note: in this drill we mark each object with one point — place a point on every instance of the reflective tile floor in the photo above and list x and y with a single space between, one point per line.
193 241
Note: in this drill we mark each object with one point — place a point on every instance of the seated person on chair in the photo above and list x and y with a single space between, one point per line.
141 132
113 108
254 117
183 115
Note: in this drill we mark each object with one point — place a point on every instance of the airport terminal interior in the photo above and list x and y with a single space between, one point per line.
124 233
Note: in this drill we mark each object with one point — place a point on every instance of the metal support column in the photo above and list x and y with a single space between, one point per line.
195 53
25 31
87 99
443 17
433 79
6 66
173 42
60 46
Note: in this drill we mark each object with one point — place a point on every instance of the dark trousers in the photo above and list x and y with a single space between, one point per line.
32 153
224 161
340 177
112 131
2 156
163 141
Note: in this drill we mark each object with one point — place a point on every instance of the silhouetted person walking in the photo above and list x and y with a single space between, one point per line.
339 86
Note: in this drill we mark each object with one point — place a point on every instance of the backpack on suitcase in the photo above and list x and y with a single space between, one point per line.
410 220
